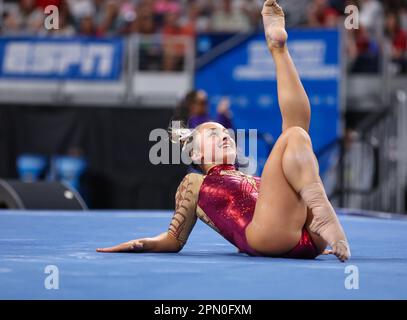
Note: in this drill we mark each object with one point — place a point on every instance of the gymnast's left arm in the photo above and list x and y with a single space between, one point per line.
182 223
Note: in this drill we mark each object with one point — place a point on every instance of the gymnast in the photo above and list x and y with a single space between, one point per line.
286 212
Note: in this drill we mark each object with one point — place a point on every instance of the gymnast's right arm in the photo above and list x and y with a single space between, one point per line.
182 223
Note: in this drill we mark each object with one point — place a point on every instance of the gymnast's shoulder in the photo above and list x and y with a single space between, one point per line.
192 181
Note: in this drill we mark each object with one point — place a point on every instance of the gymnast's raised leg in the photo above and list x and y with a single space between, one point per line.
291 195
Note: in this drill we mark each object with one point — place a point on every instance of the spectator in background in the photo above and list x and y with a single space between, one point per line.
66 28
80 9
338 5
42 4
191 20
150 56
252 9
229 18
403 17
11 25
206 7
82 12
144 20
365 50
365 43
100 17
26 18
194 110
188 17
174 27
205 10
398 38
294 10
197 16
98 11
332 19
321 14
127 14
110 23
371 17
164 7
87 26
173 45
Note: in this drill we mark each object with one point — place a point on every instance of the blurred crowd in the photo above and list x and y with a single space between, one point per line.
378 20
122 17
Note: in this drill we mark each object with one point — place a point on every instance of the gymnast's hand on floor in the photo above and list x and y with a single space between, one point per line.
137 245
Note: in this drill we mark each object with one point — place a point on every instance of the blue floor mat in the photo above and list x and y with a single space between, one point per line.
207 268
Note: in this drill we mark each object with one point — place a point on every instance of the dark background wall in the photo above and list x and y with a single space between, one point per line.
114 141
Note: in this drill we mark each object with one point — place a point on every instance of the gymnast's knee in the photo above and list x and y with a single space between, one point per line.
297 134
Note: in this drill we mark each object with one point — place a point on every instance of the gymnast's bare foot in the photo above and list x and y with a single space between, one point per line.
274 25
324 222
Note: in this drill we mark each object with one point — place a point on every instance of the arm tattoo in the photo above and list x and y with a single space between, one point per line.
185 217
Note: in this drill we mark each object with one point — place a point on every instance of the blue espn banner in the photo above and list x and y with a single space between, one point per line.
247 75
61 58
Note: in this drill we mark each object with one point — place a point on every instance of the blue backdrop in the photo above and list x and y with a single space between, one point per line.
246 75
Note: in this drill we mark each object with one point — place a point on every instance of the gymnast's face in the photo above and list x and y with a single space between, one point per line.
214 145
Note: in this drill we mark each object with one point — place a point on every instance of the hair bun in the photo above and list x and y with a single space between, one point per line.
180 135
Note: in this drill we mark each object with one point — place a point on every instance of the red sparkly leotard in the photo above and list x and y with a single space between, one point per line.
225 200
